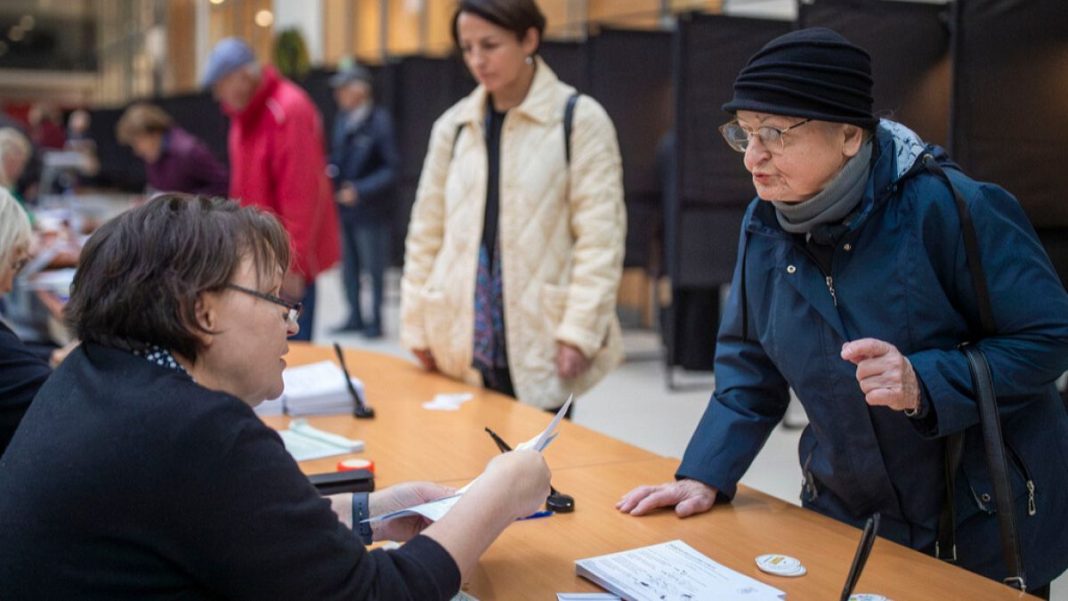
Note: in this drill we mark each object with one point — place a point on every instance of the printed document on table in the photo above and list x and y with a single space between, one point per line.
434 510
672 571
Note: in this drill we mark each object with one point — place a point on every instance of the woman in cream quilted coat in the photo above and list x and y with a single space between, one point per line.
515 250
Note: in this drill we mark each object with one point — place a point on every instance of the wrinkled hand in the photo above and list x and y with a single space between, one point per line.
885 375
426 358
688 496
293 286
403 496
570 362
521 476
346 195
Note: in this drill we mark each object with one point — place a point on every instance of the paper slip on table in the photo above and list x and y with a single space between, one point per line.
534 559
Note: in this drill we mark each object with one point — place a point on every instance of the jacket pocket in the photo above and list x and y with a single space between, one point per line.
553 300
979 482
437 326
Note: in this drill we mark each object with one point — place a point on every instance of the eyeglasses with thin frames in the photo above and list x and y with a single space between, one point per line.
773 138
293 310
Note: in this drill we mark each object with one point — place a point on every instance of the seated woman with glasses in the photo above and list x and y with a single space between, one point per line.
852 288
22 372
141 472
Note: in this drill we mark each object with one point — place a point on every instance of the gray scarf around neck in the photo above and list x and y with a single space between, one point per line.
834 202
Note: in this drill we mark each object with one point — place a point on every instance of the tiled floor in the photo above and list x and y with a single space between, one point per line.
632 404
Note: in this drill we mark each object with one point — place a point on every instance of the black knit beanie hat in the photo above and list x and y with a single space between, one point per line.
814 73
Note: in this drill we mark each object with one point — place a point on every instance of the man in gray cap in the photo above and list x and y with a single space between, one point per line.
364 165
277 162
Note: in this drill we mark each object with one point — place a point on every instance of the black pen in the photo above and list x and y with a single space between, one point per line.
359 410
867 539
557 501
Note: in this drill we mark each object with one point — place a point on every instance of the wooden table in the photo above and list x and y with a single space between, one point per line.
535 559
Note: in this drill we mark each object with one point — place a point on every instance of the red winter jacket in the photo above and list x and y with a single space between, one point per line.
277 163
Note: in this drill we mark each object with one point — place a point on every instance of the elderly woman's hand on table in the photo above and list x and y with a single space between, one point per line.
689 497
885 375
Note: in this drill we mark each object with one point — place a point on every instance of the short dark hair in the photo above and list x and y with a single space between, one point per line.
140 274
516 16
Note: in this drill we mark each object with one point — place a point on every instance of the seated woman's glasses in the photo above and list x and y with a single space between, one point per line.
293 310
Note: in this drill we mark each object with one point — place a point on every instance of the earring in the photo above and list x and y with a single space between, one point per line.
529 60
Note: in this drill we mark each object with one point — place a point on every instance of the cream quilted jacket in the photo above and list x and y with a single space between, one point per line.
561 233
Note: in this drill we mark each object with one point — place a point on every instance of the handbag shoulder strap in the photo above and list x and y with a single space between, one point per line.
971 247
990 420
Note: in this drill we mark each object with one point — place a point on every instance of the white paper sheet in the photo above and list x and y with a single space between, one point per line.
672 571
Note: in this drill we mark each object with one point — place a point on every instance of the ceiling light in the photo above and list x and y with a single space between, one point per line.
264 18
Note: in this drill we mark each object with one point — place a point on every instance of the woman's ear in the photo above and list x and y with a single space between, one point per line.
530 42
205 311
852 140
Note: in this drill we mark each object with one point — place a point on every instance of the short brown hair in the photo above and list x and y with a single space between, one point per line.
141 119
517 16
141 273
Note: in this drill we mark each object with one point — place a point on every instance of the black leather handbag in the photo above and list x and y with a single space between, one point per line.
990 420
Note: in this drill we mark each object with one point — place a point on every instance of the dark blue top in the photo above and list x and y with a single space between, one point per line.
21 374
127 480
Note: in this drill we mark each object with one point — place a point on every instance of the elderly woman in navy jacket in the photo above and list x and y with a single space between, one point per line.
852 288
141 472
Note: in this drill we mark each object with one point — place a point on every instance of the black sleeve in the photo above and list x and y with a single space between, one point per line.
21 374
255 528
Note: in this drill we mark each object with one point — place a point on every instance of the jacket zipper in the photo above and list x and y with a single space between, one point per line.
827 279
1032 508
808 483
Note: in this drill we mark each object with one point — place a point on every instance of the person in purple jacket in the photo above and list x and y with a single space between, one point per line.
175 160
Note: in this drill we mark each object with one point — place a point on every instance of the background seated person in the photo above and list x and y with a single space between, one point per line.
175 160
22 371
141 472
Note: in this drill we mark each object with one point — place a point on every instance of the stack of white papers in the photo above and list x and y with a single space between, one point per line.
672 571
313 389
305 442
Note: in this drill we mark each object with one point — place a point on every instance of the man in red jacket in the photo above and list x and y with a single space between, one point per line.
278 163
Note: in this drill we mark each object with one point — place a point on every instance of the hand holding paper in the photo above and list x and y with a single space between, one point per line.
434 510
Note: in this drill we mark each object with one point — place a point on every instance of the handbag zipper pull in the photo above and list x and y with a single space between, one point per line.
1032 509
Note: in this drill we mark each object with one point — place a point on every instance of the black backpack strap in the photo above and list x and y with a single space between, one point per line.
455 139
569 118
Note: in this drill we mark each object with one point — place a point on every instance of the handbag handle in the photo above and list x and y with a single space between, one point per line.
990 420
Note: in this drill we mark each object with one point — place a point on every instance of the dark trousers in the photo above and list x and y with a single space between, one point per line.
364 248
307 319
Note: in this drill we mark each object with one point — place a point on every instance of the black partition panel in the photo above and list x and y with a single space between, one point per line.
570 61
909 47
628 76
420 90
713 187
1010 100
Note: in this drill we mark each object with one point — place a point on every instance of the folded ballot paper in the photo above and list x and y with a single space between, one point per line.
313 389
435 510
305 442
672 571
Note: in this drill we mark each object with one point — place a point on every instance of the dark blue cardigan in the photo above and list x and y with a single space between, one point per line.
127 480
